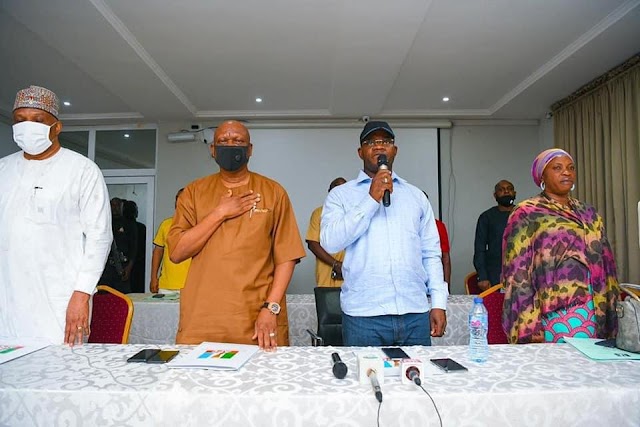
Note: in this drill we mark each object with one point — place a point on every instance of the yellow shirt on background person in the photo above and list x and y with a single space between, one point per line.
172 276
323 270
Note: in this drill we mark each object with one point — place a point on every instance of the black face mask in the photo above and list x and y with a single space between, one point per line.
505 201
231 158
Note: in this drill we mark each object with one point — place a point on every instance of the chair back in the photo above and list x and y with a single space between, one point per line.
471 284
329 315
111 316
494 300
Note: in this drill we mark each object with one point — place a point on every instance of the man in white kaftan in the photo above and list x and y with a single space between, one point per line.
55 228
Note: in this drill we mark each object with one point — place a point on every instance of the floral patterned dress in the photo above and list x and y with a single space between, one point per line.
557 259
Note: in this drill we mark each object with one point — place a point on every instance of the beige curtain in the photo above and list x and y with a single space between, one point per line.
601 130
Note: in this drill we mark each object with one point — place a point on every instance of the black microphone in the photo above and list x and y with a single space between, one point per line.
382 164
375 384
413 373
339 368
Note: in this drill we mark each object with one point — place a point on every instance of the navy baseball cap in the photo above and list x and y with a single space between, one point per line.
371 127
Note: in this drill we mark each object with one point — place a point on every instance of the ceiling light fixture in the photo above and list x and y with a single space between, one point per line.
66 104
445 99
258 100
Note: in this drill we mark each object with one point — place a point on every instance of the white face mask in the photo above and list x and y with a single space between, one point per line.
32 137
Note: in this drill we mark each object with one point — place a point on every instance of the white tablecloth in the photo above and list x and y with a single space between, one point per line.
528 385
155 321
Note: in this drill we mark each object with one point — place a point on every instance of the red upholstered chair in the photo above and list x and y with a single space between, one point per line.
471 284
493 299
111 316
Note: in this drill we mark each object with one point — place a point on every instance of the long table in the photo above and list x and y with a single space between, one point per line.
155 321
525 385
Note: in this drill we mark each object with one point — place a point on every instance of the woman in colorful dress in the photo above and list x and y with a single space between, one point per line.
558 268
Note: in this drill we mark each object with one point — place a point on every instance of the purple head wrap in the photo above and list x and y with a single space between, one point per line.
542 160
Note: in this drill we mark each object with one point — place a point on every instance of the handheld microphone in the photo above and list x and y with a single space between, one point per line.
382 164
412 372
339 368
371 373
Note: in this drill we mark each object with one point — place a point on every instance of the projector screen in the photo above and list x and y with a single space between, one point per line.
306 160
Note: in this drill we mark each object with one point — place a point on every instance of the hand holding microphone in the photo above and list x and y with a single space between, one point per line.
383 165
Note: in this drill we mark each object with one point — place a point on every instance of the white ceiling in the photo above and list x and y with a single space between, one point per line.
153 60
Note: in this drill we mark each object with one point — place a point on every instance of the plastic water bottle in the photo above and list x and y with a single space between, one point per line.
478 327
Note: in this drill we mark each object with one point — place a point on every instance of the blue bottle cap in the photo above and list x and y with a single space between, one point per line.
477 300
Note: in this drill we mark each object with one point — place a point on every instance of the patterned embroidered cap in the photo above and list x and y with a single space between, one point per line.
542 160
37 97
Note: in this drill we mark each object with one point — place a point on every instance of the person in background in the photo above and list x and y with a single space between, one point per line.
392 259
241 233
173 276
487 256
328 266
130 212
445 248
55 228
559 270
122 256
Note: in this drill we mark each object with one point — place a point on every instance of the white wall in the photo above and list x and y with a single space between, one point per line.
7 146
546 134
475 158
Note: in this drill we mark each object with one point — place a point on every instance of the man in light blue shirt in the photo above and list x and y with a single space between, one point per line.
393 253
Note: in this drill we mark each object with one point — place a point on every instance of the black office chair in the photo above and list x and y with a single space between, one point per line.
329 318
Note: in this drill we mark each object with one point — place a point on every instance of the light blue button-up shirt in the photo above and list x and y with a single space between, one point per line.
393 256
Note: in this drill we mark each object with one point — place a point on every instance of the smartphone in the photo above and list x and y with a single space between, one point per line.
143 355
163 356
395 353
448 365
158 296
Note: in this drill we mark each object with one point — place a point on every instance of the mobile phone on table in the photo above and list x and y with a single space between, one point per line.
448 365
163 356
395 353
143 355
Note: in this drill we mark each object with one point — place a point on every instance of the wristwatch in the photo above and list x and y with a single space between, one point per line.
273 307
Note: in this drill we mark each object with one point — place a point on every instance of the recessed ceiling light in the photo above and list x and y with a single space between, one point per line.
126 135
445 99
66 104
258 100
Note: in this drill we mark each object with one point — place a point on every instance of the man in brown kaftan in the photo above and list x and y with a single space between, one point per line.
240 230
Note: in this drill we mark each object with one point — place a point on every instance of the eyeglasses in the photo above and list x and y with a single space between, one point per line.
234 141
372 142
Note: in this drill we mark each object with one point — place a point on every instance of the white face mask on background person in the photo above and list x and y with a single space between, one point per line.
32 137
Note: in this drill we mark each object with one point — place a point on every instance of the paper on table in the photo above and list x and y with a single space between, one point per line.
12 349
214 355
588 347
